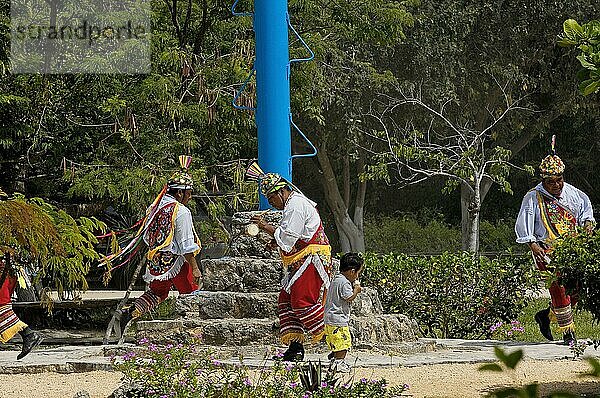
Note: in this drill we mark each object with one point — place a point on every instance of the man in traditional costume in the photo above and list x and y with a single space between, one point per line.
10 324
172 243
306 255
552 209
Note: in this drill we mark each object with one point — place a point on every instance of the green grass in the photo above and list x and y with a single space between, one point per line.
585 327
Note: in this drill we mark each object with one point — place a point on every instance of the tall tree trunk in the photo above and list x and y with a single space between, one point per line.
351 236
470 206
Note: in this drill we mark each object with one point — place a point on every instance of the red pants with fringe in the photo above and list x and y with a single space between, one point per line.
301 310
159 290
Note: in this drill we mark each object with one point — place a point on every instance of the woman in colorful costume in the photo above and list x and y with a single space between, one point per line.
306 255
172 244
552 209
10 324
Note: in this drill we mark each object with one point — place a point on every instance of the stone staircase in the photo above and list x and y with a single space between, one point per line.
238 303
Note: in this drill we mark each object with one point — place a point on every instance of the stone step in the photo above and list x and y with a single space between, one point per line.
366 330
242 274
221 305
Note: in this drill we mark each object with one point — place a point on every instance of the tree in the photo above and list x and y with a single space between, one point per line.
457 150
586 38
48 242
330 92
113 139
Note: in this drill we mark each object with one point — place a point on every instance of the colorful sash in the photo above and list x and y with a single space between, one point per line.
557 219
316 251
318 244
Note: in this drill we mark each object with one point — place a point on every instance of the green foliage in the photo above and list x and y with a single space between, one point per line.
407 234
575 258
452 295
410 233
499 236
57 248
185 371
586 39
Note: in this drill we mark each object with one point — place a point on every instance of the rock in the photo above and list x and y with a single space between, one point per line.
234 332
372 329
366 303
218 305
383 329
82 394
242 274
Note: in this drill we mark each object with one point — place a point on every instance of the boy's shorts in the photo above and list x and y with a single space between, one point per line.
338 337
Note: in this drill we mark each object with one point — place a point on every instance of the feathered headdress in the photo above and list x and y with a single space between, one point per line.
552 165
267 182
181 179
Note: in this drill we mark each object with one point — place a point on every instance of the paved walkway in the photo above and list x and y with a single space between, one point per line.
68 359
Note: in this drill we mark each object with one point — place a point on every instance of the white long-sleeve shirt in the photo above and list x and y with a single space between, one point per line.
529 226
300 220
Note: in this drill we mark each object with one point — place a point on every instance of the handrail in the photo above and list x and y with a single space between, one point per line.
239 14
312 54
303 155
237 95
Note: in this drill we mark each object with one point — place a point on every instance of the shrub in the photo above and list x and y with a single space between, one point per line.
54 246
430 234
452 295
407 234
184 371
575 258
498 237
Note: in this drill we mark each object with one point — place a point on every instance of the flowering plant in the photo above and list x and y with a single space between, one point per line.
185 371
506 331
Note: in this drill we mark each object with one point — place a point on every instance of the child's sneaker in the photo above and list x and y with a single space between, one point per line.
341 366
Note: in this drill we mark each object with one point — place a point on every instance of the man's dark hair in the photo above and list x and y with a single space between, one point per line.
174 191
351 261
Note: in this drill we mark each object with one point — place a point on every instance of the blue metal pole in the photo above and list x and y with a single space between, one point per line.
272 88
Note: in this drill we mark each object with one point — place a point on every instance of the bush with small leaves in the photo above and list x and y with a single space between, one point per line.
452 295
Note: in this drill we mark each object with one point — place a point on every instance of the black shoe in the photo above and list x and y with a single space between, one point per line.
30 341
569 338
295 352
543 320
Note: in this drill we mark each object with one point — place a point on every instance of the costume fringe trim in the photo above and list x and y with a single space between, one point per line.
307 251
312 259
318 336
170 274
564 318
568 328
292 337
9 333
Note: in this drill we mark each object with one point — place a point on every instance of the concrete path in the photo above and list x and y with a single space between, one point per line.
69 359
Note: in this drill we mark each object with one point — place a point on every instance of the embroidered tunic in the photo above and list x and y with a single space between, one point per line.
169 235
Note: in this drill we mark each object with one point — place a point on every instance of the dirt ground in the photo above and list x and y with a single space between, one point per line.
452 380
